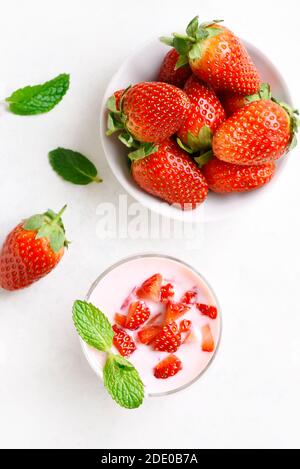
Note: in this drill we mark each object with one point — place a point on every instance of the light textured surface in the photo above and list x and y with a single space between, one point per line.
48 395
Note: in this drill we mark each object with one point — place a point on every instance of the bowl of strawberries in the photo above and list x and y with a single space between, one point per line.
192 133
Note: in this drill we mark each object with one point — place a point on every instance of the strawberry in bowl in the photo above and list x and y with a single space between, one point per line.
211 87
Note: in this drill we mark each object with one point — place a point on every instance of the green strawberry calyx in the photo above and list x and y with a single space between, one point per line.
190 46
294 122
201 142
117 123
49 225
203 159
264 93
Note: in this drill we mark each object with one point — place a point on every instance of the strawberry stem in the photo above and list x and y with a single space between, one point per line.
59 215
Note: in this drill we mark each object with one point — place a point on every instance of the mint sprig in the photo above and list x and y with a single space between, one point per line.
73 167
123 382
120 377
93 326
39 99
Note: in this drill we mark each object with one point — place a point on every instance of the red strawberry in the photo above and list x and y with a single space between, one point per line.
167 368
225 177
234 102
260 132
148 334
210 311
175 311
120 319
168 340
32 250
138 314
217 57
170 74
208 343
189 297
151 112
150 290
205 116
167 293
123 342
185 326
171 175
118 95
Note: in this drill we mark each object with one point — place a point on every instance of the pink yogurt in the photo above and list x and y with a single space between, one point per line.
116 287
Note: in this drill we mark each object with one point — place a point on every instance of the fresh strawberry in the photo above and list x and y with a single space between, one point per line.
234 102
172 75
175 311
217 57
167 368
171 175
150 290
260 132
225 177
168 340
185 326
120 319
167 293
123 342
210 311
150 112
208 343
147 335
189 297
32 250
138 314
205 116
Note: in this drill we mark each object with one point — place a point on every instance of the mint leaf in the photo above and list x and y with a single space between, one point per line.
123 382
40 98
93 326
73 166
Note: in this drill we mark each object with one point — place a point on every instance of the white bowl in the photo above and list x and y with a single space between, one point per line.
136 69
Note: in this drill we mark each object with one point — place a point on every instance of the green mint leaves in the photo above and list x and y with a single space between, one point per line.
121 379
39 99
123 383
93 326
49 225
73 166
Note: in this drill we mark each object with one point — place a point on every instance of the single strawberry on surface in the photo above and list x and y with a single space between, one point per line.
150 112
226 178
32 250
172 75
171 175
150 289
204 118
217 57
168 367
260 132
234 102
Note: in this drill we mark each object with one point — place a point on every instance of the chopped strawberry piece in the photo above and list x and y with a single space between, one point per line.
138 314
185 326
167 293
147 335
157 319
120 319
168 340
123 342
208 343
210 311
175 311
170 366
189 297
150 290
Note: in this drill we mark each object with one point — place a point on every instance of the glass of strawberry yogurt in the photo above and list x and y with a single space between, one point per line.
166 319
